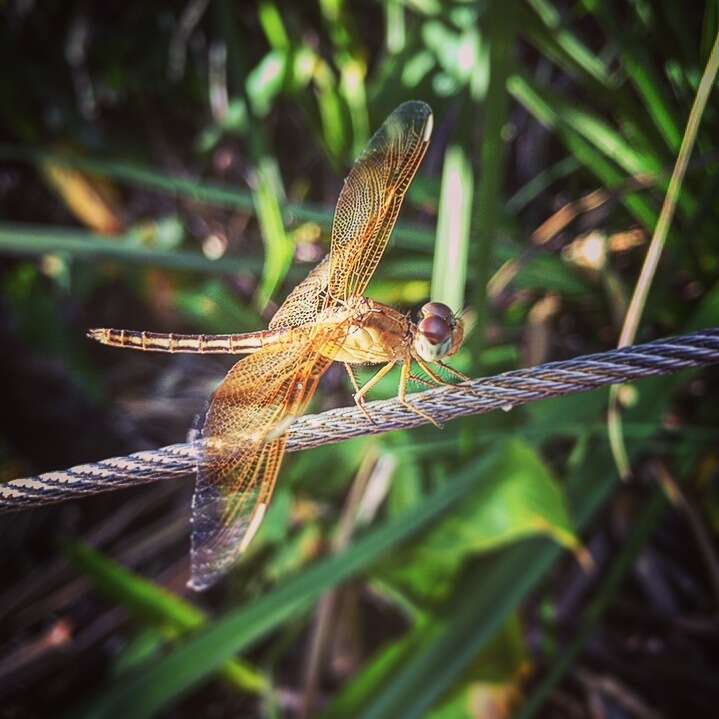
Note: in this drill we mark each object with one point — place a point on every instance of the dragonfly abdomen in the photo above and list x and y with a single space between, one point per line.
172 342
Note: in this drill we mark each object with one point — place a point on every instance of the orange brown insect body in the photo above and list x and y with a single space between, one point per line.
324 319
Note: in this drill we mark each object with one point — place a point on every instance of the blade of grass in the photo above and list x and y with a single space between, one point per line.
156 606
411 237
279 247
542 25
639 69
656 246
543 109
452 247
146 691
501 36
608 141
499 588
541 182
643 529
35 240
395 33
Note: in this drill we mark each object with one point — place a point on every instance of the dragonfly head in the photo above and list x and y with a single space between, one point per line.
439 333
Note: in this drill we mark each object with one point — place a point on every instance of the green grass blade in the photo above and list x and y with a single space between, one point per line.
540 183
395 32
156 606
484 604
32 240
147 691
273 26
411 237
647 523
279 247
451 250
595 161
639 70
542 25
501 37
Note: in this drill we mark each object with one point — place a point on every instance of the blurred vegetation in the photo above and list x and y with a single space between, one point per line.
174 168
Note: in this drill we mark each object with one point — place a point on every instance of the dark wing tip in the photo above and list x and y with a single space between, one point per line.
414 108
413 114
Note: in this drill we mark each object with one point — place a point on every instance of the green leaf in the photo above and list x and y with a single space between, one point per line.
516 498
148 690
480 606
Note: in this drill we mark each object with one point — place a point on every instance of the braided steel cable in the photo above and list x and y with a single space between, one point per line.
503 391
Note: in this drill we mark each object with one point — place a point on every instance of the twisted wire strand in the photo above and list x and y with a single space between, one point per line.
503 391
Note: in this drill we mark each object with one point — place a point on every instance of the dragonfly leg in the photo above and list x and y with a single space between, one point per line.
434 376
402 394
420 380
461 377
451 370
454 372
367 386
358 395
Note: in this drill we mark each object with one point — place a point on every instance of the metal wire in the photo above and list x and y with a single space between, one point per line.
504 391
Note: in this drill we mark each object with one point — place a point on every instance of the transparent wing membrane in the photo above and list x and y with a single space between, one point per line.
306 300
372 195
244 441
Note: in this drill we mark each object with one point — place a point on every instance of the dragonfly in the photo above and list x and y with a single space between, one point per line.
324 319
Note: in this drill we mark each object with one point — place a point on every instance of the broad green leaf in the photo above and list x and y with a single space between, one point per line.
146 691
516 498
491 687
481 605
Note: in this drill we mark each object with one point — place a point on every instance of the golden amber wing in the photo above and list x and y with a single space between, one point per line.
305 301
244 441
372 195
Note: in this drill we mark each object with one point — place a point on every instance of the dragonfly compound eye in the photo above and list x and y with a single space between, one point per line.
433 339
435 329
437 309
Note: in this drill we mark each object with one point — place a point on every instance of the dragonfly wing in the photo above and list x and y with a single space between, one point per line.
244 441
305 301
372 195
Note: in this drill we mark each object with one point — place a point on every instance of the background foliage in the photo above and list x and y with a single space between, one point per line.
174 167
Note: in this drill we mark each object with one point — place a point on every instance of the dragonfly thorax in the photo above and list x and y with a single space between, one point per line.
438 333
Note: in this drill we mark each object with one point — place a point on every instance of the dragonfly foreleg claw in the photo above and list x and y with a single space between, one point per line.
362 405
421 413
